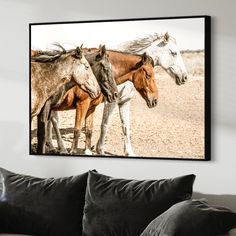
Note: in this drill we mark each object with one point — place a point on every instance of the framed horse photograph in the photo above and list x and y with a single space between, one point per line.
137 88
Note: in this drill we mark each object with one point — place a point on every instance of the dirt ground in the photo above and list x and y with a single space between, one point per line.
175 128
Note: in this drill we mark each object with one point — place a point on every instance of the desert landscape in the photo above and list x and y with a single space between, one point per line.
174 128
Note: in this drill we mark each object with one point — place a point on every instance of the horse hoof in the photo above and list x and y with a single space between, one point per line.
63 151
100 151
51 151
88 152
130 154
72 152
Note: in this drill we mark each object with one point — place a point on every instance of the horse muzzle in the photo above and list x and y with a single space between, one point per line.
93 93
181 80
110 95
180 77
152 102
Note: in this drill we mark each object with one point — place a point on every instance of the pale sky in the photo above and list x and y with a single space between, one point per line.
189 33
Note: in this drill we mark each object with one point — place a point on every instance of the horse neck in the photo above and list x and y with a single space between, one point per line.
153 51
122 63
58 96
63 68
124 78
90 57
53 74
69 85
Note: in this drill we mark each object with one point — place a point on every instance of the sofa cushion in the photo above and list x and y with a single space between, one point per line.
36 206
115 207
192 217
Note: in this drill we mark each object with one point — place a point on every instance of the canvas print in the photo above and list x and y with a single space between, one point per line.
121 88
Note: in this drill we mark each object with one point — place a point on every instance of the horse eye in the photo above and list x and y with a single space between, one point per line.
86 66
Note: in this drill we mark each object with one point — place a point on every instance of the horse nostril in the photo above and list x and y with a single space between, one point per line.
98 91
155 101
115 95
185 77
109 98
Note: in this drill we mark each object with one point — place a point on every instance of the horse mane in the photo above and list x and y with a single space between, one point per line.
45 58
140 63
135 46
124 52
49 56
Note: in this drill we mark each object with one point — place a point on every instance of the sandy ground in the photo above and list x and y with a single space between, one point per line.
175 128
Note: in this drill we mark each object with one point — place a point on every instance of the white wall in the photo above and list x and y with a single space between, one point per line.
215 178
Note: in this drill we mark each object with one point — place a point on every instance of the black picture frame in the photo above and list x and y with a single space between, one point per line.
206 153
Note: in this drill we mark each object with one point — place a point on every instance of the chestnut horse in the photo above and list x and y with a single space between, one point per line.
140 72
101 68
48 73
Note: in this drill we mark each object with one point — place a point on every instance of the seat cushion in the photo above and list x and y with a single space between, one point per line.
192 217
115 207
37 206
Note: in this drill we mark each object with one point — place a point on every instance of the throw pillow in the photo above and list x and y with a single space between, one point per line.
192 217
115 207
45 207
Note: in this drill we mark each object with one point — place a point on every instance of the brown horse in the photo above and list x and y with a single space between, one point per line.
140 72
49 73
101 68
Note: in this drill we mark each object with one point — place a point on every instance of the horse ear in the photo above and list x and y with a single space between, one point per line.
81 46
103 50
78 52
101 53
144 58
166 37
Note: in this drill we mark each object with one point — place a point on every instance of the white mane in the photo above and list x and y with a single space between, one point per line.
135 46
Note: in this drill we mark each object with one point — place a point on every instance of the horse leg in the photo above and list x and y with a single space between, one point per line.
54 121
107 111
124 109
42 122
81 111
89 130
49 144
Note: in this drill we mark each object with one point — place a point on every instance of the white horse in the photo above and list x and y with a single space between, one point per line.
165 53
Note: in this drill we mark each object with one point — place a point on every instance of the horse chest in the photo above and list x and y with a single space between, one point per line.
126 91
97 101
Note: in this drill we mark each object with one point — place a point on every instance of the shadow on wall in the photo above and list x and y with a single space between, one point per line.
228 201
13 137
